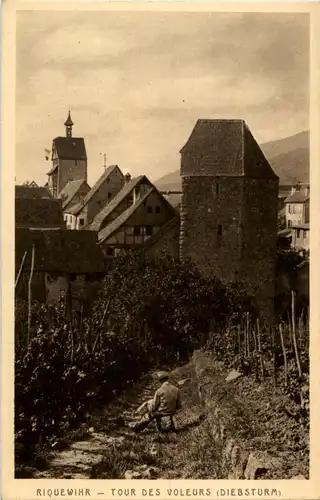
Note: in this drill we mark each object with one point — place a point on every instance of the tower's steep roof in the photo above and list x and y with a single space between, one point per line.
68 122
70 148
224 147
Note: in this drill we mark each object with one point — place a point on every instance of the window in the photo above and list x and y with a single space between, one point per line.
110 251
289 209
157 210
149 230
219 230
298 233
81 222
217 188
149 210
109 195
293 209
305 234
75 163
136 230
289 223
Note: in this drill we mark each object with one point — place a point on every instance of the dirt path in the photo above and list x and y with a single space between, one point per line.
111 450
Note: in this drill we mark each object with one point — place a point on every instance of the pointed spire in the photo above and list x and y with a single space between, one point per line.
68 124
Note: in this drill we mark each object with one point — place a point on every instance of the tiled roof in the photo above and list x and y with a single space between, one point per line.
298 197
162 231
70 148
70 190
65 251
108 209
38 213
117 223
78 207
226 147
31 192
302 226
285 233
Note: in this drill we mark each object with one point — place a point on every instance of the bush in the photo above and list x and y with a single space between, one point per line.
147 313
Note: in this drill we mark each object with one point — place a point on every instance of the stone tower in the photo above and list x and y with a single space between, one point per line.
69 160
229 207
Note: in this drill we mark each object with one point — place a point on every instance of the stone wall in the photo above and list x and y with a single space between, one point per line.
231 423
71 170
211 209
228 228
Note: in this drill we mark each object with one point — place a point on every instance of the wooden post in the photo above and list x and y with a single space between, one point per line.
20 269
273 346
248 335
100 326
256 353
30 293
294 336
239 339
284 356
259 349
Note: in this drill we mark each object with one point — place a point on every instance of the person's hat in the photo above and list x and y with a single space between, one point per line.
163 375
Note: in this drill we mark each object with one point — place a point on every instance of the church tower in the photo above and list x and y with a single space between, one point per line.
69 160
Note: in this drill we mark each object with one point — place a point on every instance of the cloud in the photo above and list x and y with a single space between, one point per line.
137 82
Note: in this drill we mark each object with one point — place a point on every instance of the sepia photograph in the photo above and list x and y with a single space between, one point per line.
161 253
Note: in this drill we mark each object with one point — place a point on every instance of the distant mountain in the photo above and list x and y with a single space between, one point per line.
289 157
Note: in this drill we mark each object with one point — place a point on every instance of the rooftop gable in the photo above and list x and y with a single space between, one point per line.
71 189
125 216
298 197
76 209
115 202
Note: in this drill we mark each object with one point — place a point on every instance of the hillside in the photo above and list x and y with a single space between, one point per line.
289 157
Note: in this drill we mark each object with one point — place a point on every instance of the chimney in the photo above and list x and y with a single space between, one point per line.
307 190
127 178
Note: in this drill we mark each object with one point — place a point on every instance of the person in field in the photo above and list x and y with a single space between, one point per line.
165 403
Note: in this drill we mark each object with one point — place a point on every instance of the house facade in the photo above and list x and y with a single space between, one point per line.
229 207
69 160
81 214
136 213
300 236
298 206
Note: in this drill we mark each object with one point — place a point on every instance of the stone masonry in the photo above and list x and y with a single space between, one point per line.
229 207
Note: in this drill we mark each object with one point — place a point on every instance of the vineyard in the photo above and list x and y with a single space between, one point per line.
147 314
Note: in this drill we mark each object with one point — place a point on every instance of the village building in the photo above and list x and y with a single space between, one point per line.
69 160
165 241
300 235
298 206
62 259
81 214
135 214
229 207
35 208
73 192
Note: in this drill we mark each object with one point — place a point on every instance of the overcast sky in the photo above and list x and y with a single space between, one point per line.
137 82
